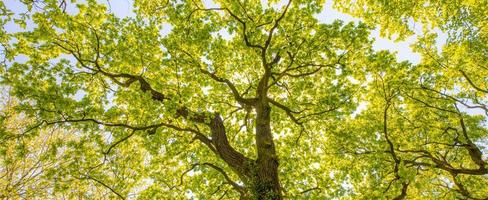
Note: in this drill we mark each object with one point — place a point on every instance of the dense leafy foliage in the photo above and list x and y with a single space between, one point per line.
250 100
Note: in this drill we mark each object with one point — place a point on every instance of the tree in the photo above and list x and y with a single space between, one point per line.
251 100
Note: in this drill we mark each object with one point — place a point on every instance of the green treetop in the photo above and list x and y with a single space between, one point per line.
246 100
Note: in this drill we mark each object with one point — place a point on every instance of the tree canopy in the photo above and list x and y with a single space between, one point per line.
243 100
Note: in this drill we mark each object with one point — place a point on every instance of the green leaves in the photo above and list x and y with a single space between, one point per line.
123 107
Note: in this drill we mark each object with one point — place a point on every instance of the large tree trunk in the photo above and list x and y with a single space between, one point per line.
266 183
260 175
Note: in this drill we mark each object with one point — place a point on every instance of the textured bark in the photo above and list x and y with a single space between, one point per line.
266 185
261 175
238 162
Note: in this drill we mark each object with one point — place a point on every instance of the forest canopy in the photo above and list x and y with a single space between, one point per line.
242 99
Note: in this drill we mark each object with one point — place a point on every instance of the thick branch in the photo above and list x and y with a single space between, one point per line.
474 152
238 162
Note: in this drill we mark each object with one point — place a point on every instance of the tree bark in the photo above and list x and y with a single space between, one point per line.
261 175
237 161
266 181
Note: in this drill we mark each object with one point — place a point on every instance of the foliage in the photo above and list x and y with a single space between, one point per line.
251 100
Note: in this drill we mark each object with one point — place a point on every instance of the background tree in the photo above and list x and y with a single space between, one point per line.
57 162
444 100
251 100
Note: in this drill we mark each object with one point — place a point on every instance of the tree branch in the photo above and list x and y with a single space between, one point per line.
106 186
471 82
